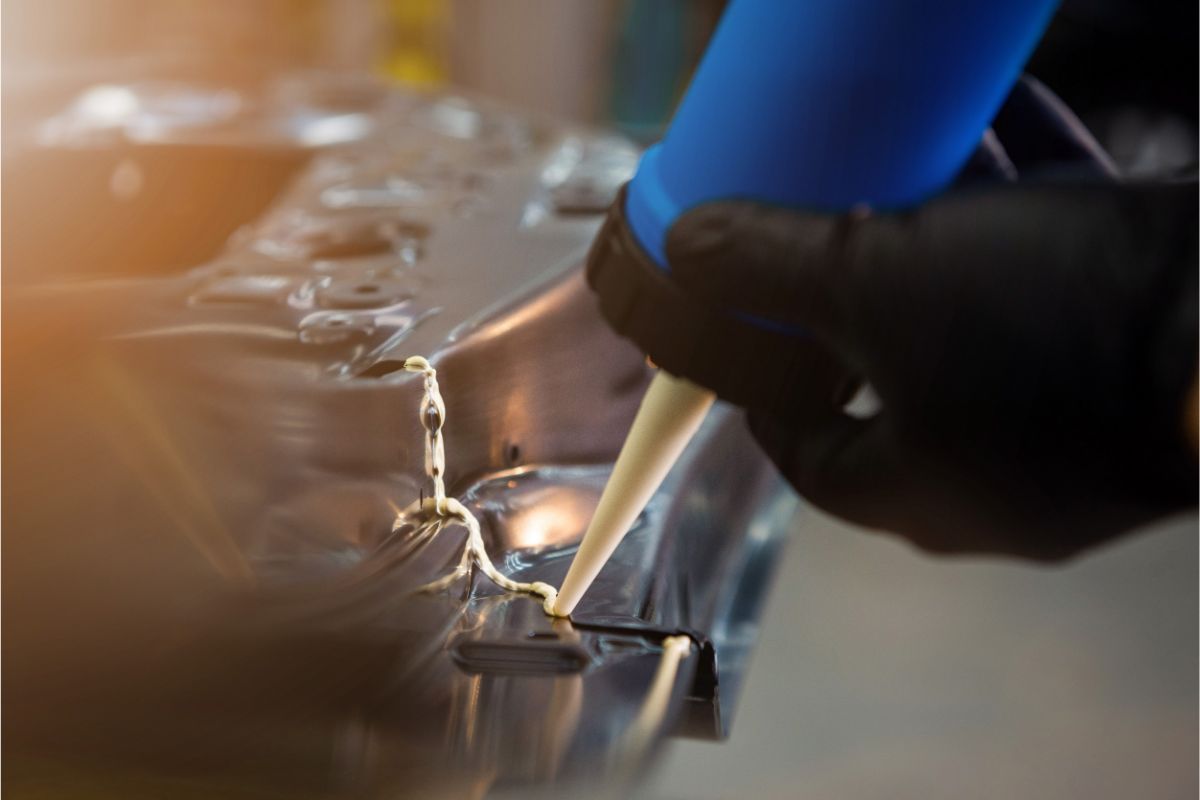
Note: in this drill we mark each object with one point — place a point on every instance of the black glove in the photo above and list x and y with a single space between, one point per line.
1032 345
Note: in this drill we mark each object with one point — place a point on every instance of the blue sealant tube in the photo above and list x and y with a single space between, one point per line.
827 104
822 104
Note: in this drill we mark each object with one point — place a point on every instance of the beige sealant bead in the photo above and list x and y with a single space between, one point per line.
653 711
439 511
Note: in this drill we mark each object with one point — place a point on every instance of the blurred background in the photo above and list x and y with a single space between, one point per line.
586 60
102 99
618 62
881 673
1128 69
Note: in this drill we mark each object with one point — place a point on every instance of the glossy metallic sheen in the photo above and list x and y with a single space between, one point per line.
202 467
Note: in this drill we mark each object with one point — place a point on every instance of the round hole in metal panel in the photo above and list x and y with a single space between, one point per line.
356 294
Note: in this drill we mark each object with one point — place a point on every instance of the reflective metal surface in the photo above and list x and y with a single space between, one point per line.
202 465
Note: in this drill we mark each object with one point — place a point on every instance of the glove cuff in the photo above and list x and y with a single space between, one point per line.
744 361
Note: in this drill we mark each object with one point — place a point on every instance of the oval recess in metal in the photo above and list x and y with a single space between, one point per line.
519 656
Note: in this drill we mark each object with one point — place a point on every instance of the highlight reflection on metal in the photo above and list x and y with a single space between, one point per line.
203 465
309 110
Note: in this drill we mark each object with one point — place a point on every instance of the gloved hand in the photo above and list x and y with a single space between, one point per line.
1032 346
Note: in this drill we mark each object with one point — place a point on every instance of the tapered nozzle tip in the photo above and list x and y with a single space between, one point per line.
560 608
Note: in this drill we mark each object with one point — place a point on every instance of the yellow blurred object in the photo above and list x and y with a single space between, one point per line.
419 50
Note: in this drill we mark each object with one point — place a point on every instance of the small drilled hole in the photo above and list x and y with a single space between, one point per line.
513 454
366 288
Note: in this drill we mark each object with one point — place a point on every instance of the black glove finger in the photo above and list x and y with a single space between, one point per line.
1041 134
770 262
854 470
844 466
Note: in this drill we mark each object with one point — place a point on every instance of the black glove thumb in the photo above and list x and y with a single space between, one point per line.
773 263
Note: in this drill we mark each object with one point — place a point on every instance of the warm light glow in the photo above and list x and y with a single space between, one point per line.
106 105
545 525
